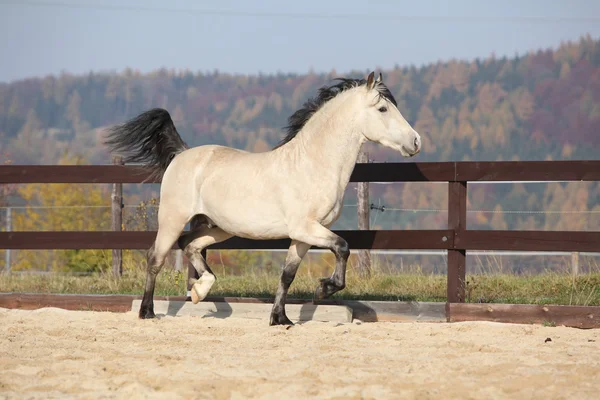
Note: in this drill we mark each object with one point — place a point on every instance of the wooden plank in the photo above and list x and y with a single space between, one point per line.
528 171
411 239
527 240
373 172
33 301
571 316
295 312
397 239
404 172
76 240
457 221
73 174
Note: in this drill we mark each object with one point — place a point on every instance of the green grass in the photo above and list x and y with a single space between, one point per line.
547 288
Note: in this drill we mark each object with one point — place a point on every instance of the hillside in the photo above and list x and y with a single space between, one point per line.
545 105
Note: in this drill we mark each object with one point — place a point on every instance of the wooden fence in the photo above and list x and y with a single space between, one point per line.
456 239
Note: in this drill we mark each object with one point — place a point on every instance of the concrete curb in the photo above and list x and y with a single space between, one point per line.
295 312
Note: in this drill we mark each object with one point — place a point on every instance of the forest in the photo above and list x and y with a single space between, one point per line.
544 105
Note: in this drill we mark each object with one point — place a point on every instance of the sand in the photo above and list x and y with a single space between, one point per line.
53 353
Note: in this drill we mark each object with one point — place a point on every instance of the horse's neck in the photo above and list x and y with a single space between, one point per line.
330 141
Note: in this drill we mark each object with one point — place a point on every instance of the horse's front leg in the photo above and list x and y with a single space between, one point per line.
337 281
295 254
317 235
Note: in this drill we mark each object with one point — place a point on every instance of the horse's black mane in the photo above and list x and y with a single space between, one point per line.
297 121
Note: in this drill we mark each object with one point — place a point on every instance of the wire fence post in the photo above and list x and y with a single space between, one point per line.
117 221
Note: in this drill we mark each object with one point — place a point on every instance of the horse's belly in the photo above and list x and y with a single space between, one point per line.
252 228
253 219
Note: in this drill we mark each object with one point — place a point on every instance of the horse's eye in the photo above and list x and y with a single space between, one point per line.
382 109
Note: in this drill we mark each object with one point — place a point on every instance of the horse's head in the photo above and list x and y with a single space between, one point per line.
383 123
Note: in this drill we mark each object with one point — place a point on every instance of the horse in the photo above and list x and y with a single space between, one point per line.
293 191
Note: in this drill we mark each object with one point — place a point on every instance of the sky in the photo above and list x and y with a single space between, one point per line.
270 36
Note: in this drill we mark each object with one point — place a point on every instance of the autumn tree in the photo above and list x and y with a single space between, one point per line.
542 105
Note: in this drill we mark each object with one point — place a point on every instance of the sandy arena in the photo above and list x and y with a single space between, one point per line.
53 353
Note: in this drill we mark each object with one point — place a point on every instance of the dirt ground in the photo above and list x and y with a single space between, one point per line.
53 353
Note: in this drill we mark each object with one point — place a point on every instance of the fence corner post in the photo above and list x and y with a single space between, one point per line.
117 221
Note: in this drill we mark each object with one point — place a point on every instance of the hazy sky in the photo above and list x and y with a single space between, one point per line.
236 36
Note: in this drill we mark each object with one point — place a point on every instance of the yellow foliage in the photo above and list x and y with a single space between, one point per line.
567 150
481 218
565 70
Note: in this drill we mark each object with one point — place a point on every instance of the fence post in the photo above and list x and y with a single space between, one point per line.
457 221
364 256
575 263
8 229
178 260
117 221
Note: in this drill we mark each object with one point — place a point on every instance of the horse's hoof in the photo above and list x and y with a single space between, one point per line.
280 319
201 287
325 289
194 295
146 313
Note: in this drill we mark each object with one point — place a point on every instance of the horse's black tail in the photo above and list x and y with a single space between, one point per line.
150 139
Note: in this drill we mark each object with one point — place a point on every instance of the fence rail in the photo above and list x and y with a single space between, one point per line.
457 239
464 171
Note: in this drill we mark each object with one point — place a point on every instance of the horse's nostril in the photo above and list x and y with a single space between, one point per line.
416 143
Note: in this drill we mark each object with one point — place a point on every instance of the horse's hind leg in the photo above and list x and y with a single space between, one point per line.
192 244
295 254
165 238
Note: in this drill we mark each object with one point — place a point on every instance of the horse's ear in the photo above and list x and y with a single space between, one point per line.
379 78
370 80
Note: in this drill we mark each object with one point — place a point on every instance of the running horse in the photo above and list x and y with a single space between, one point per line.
295 191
